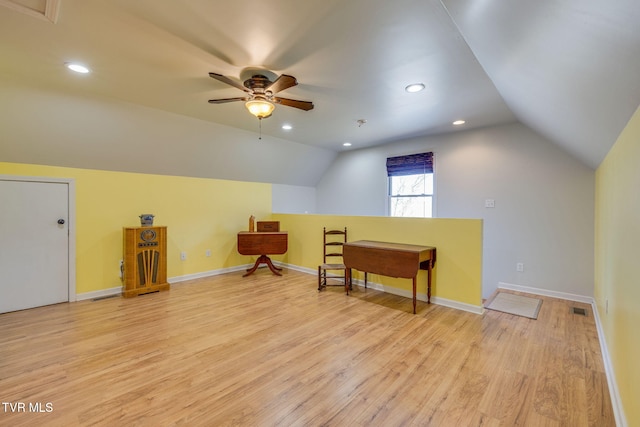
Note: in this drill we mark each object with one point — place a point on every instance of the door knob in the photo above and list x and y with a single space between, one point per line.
61 221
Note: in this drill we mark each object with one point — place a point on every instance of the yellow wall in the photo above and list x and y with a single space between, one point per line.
200 214
616 252
206 214
458 270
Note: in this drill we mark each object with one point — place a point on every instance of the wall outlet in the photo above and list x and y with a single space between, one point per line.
520 267
489 203
183 256
207 252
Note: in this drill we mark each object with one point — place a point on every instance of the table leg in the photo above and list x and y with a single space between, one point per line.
263 259
429 266
415 278
347 282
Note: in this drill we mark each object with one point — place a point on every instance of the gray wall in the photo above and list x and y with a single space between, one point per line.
293 199
74 130
544 201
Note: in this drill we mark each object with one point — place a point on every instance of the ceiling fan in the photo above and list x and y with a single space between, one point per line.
260 91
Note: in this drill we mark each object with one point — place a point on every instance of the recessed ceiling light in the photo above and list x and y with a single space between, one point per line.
287 127
458 122
78 68
346 144
415 87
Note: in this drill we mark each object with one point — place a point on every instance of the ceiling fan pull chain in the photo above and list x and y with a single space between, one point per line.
260 121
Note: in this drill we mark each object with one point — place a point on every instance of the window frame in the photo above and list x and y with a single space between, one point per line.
406 166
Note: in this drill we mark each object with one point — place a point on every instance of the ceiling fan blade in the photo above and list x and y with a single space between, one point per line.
227 80
224 100
281 83
303 105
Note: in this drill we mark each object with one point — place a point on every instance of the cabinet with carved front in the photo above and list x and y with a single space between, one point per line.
145 260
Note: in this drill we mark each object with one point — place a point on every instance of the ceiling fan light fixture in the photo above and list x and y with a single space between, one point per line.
260 108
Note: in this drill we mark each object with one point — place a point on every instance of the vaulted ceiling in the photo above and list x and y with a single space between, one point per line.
568 69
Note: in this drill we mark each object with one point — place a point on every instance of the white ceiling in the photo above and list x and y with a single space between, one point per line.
568 69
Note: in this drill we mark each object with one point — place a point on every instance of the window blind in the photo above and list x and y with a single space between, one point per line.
410 165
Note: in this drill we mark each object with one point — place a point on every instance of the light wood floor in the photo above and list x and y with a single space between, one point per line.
267 350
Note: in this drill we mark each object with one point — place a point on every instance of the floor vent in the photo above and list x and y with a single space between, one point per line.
579 311
105 297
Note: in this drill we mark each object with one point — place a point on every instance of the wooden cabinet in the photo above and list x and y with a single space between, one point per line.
145 260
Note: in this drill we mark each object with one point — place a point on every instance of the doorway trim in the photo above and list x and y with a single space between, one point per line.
71 209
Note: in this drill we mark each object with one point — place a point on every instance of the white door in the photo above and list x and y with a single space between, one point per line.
34 244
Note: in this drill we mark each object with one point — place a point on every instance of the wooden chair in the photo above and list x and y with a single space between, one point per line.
332 249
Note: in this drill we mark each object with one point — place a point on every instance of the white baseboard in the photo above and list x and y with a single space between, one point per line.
172 280
298 268
616 402
178 279
546 292
102 293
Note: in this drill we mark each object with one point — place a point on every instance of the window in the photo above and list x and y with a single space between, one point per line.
411 185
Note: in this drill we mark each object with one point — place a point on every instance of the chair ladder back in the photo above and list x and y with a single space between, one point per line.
333 247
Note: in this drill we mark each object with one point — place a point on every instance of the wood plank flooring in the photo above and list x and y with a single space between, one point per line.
273 351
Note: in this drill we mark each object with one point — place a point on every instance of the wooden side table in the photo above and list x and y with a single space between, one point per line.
262 244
